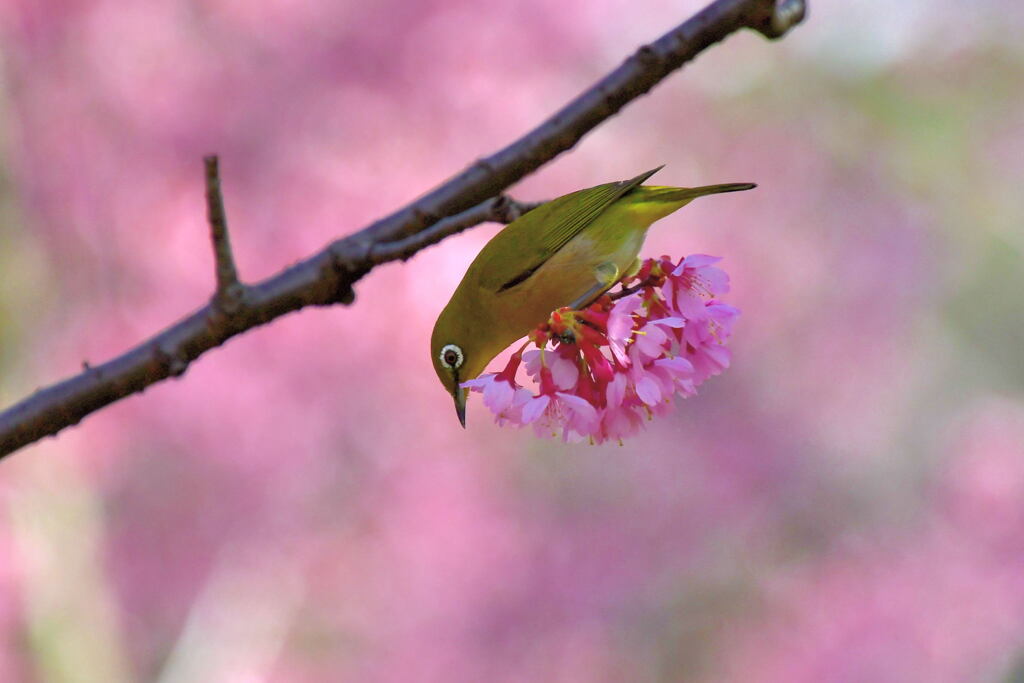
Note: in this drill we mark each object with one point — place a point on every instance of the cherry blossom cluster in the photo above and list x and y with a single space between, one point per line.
598 373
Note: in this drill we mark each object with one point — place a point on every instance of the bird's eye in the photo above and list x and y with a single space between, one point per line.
452 356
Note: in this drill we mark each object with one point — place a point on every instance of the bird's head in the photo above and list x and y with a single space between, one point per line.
457 356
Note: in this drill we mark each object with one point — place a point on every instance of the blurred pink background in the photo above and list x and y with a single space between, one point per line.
845 504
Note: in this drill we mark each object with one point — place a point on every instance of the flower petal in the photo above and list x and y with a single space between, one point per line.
677 365
694 261
480 383
715 280
531 360
670 322
616 391
579 405
564 372
648 391
498 395
535 408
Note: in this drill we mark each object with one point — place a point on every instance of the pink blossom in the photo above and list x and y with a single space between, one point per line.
502 394
503 398
498 393
652 340
699 273
693 282
705 340
619 423
677 371
571 414
600 371
564 372
621 325
618 420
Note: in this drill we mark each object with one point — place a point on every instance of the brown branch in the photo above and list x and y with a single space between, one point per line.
328 276
626 291
229 290
500 209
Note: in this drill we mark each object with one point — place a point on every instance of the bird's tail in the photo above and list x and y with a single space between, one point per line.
687 194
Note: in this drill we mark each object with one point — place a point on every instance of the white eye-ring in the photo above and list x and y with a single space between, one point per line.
451 356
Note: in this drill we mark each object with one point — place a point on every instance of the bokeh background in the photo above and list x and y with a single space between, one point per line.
845 504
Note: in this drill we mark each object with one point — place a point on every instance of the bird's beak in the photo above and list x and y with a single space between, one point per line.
460 404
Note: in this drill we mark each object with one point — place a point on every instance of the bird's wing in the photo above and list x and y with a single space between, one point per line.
525 245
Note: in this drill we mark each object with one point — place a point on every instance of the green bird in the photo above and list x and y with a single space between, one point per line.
566 252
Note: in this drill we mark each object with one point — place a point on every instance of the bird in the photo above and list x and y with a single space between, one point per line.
565 252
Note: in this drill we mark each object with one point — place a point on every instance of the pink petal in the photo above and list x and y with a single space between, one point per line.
498 395
514 412
648 391
616 391
650 340
620 321
619 352
563 371
668 293
621 324
697 332
627 305
689 304
724 314
620 423
580 406
480 383
665 381
718 353
670 322
715 280
535 408
694 261
677 365
531 359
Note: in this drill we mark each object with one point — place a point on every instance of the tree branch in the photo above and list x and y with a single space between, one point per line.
500 209
468 198
229 290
